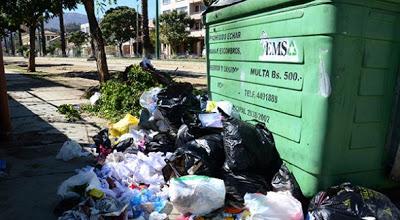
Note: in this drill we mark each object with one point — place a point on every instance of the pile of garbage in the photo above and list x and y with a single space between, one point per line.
196 156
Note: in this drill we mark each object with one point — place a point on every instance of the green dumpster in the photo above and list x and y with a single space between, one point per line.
320 74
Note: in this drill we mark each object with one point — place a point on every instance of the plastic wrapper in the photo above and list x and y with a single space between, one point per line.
198 195
250 148
85 180
122 126
348 202
273 206
94 98
149 99
71 149
212 120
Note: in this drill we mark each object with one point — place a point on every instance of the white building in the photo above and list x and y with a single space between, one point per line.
193 8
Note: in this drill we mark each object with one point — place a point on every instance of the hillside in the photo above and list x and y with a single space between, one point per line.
69 18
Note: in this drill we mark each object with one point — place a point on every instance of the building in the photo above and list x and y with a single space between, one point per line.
131 48
194 9
50 36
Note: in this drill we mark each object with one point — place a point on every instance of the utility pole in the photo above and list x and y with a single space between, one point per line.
5 122
137 28
157 31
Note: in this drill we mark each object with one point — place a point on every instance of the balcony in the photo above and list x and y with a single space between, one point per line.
197 33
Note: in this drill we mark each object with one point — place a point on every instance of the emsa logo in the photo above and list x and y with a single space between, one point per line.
278 50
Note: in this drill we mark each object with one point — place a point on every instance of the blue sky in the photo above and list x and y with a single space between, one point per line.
129 3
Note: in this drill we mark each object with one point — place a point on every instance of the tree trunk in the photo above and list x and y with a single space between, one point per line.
98 41
20 42
5 122
6 45
32 52
39 42
12 44
43 37
146 35
62 33
92 47
120 50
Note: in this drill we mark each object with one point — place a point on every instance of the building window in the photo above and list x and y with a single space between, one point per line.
197 8
166 2
182 9
198 26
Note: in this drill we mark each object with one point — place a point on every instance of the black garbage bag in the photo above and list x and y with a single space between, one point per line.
177 102
125 144
250 148
161 142
102 139
284 180
186 134
348 202
238 184
203 156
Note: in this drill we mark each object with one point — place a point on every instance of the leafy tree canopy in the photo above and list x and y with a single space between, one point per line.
119 25
77 38
175 27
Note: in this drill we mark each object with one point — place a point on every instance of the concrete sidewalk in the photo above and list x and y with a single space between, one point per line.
29 191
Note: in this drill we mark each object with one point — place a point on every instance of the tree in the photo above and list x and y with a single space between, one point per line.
58 7
174 28
77 38
145 28
119 25
98 41
29 12
72 27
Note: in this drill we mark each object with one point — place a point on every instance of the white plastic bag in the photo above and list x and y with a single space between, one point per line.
198 195
94 98
158 216
273 206
86 176
211 120
70 150
149 99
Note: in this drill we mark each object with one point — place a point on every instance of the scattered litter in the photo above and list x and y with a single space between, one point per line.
149 99
78 185
224 106
198 195
94 98
71 149
212 120
274 206
349 202
122 126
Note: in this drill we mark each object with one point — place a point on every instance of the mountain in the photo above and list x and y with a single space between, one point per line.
69 18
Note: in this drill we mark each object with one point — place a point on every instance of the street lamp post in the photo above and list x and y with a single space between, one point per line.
157 31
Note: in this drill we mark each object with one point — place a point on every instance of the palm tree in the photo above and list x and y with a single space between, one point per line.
146 34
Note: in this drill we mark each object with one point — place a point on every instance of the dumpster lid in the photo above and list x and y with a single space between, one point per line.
222 10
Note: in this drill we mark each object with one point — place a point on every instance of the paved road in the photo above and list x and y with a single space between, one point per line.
29 192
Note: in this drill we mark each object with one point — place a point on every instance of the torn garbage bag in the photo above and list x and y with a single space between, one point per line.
250 148
198 195
284 180
348 202
203 156
273 206
78 185
238 184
